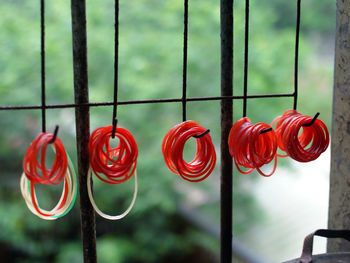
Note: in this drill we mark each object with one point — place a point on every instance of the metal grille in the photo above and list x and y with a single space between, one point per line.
82 106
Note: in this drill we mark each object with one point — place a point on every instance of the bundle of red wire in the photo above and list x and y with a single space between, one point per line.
35 168
251 147
308 146
173 145
113 165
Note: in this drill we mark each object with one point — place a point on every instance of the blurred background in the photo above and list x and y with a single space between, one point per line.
172 221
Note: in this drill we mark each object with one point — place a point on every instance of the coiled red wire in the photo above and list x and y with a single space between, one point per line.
34 165
250 148
305 147
113 165
35 169
173 145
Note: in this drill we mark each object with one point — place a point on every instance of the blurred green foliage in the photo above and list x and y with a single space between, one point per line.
150 67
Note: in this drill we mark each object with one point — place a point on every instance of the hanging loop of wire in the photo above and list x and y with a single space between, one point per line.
64 205
112 165
34 163
251 147
35 171
306 147
173 145
110 217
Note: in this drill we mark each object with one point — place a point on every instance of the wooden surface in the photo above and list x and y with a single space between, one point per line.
339 202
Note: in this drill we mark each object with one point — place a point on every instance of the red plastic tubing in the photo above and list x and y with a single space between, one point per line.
173 145
251 149
113 165
305 147
34 165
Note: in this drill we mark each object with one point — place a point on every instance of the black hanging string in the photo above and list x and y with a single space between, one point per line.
296 60
184 72
246 40
296 64
116 60
246 51
42 53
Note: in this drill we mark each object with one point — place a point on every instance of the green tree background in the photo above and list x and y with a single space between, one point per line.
150 68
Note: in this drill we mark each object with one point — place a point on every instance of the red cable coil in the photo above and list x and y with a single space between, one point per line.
287 130
250 148
173 145
35 169
113 165
37 172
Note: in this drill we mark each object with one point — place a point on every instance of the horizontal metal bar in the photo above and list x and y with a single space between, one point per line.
128 102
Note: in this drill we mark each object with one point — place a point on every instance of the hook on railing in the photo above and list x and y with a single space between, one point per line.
202 134
54 135
266 130
115 122
312 121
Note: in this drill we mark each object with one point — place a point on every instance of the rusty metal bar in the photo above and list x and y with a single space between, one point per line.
226 32
82 120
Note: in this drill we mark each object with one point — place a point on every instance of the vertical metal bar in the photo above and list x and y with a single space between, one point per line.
246 51
339 196
81 94
184 69
296 56
116 66
42 54
226 32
